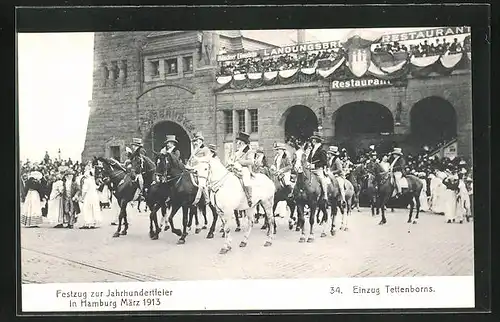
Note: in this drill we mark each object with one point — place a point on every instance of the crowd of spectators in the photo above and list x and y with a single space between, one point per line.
311 59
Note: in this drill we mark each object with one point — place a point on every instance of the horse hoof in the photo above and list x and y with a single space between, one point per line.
223 251
382 222
124 233
310 240
197 230
332 232
151 234
117 234
166 228
267 244
113 224
210 236
263 227
323 235
302 240
204 227
238 229
181 241
409 221
221 230
177 232
414 222
297 229
243 244
154 237
345 228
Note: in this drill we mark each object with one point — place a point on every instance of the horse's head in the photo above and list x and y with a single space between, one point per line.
161 163
168 163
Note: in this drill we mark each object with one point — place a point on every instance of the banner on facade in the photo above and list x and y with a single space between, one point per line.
360 83
424 34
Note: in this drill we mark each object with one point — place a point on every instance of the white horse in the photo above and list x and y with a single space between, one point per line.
227 195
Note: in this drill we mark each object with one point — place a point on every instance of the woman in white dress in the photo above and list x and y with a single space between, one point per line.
91 212
424 205
55 214
32 205
450 197
438 193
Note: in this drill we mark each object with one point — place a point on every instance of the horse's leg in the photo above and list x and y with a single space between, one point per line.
313 208
237 215
120 217
185 213
381 205
138 205
249 214
196 221
291 220
334 209
417 209
153 217
324 220
267 206
190 219
412 204
224 216
203 209
164 217
215 215
173 211
301 221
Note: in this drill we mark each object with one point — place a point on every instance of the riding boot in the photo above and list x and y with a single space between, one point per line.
248 193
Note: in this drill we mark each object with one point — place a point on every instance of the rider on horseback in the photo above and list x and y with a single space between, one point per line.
318 161
170 147
199 162
397 167
244 158
283 166
138 151
335 170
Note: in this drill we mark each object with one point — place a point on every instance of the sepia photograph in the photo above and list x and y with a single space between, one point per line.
255 155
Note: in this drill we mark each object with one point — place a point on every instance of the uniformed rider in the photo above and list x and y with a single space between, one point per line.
397 167
318 160
336 170
243 159
283 166
199 162
137 150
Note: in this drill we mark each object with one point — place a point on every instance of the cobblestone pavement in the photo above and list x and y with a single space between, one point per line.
433 248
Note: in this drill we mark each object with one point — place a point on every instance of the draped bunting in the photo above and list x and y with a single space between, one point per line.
383 66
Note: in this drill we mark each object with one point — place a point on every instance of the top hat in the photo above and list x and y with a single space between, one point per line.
245 137
333 149
212 147
137 141
397 151
316 136
170 138
198 136
280 146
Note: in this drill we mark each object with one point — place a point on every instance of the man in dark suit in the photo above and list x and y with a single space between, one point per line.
319 161
171 146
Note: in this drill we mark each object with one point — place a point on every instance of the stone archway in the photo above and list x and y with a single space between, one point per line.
360 124
299 121
158 132
433 120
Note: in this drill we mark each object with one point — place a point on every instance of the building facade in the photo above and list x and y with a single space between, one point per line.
150 84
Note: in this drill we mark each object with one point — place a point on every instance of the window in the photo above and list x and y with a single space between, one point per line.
228 122
254 121
241 120
187 64
155 68
115 153
171 66
114 67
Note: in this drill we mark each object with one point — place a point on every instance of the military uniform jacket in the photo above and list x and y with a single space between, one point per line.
201 154
400 164
336 166
319 158
285 164
244 157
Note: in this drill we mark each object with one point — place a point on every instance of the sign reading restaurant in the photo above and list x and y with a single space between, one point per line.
405 36
360 83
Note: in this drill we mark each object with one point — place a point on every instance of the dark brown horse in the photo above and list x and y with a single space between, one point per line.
182 192
124 188
356 177
307 191
385 187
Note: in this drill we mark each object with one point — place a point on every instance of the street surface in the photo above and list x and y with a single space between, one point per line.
432 248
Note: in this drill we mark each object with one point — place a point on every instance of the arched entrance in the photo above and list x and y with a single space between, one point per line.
433 120
300 122
160 130
360 124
